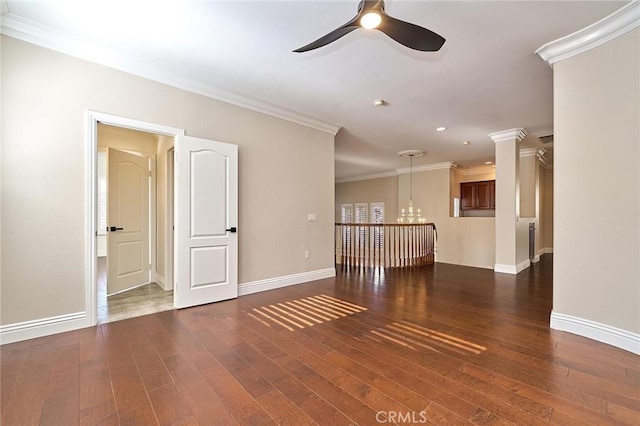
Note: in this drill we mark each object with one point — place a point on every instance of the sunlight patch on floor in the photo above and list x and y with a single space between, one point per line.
413 336
306 312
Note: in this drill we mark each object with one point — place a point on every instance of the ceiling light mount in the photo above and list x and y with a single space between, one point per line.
413 153
441 129
379 102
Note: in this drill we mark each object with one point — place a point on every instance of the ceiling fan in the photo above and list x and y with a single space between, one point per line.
371 15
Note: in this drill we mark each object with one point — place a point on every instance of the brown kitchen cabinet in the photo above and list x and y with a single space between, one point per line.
478 195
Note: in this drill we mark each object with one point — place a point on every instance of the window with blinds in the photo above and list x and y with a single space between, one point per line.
377 216
102 194
346 216
365 238
361 216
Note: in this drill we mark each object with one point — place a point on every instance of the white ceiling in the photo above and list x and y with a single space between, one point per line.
486 78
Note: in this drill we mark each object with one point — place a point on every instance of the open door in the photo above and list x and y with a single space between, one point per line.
206 217
128 221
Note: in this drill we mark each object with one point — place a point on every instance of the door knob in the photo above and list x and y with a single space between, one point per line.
115 228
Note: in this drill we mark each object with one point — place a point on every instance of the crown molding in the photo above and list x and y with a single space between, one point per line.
41 35
479 170
405 170
609 28
528 152
366 177
427 167
544 161
516 134
539 153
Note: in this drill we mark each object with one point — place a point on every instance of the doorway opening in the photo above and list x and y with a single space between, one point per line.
131 202
130 265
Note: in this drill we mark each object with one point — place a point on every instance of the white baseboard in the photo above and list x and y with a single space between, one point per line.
43 327
536 258
284 281
593 330
512 269
162 282
46 326
546 250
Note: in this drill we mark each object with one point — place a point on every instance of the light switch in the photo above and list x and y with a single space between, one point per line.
311 217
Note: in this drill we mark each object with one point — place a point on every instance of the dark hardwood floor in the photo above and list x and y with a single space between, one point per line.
441 344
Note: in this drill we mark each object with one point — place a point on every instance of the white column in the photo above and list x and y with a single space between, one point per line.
507 199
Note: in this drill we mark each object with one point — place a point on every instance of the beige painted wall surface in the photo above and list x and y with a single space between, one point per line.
369 191
528 180
285 172
127 140
546 207
597 184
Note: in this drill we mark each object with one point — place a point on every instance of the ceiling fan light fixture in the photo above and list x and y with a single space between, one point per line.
370 20
371 15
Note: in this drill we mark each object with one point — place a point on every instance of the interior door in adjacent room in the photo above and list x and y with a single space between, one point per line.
206 218
128 221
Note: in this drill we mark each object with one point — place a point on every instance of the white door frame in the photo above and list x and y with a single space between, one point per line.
169 216
92 118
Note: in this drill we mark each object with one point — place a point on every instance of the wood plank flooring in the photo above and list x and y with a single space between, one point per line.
440 344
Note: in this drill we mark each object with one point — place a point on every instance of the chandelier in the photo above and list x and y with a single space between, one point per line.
411 215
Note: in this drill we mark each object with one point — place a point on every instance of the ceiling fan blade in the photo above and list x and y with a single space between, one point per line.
410 35
331 37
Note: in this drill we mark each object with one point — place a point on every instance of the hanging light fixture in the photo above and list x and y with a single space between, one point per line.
411 215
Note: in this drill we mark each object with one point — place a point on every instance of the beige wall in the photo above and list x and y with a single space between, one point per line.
546 210
285 172
597 184
369 191
127 140
528 182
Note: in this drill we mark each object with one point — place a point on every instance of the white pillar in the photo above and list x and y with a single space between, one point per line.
507 199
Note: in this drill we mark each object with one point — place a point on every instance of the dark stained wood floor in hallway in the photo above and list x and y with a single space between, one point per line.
440 344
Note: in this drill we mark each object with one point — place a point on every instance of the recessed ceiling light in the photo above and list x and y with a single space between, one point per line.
379 102
441 129
488 162
466 143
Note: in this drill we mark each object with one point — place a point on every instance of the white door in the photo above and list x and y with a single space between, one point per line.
206 217
128 221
